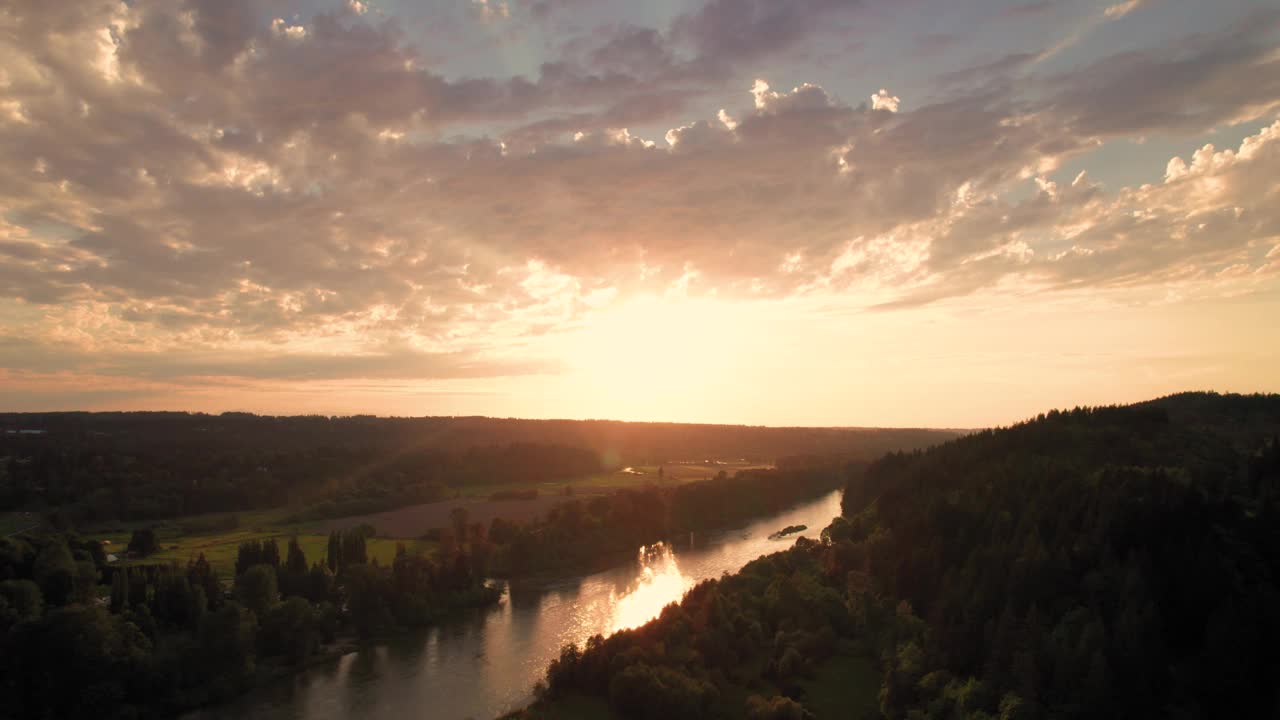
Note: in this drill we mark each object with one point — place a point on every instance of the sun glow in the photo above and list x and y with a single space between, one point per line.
645 356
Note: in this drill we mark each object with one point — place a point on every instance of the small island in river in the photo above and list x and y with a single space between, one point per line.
788 530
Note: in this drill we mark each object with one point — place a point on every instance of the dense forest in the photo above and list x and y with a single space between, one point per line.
103 467
1108 562
169 637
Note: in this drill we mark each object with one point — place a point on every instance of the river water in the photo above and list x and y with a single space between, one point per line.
485 665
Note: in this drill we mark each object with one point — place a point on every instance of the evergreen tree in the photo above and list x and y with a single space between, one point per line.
353 549
202 575
296 562
257 589
334 555
271 553
55 571
119 591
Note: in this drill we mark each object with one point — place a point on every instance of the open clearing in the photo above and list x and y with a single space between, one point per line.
220 549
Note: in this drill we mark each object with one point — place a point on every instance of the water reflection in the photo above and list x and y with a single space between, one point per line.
486 664
659 584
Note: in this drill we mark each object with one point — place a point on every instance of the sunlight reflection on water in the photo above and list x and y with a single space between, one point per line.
659 584
486 664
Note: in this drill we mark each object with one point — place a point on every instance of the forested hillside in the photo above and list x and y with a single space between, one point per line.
1115 562
1110 562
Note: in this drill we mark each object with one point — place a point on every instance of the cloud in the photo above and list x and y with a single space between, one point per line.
799 99
209 185
492 9
733 30
1093 22
1186 87
884 101
1209 217
1032 9
1119 10
401 363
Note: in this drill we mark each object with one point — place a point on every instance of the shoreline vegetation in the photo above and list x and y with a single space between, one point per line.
166 637
1104 562
585 536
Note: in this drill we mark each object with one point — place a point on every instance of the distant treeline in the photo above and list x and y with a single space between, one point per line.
171 638
582 534
1113 562
615 442
102 467
97 481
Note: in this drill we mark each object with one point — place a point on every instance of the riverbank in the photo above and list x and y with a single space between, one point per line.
577 537
483 664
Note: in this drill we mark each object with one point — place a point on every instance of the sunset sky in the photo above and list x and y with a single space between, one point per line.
886 212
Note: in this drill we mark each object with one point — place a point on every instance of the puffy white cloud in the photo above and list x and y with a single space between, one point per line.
1208 161
884 101
293 32
700 134
804 97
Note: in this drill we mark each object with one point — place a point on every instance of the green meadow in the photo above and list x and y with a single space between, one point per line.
218 535
177 544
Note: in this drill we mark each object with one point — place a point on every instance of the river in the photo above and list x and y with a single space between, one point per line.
483 666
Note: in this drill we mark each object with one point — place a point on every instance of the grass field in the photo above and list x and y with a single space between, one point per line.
218 535
220 548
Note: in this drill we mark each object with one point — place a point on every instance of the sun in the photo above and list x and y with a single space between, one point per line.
651 354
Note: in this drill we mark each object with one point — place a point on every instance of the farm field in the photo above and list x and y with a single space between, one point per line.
218 535
220 549
673 473
414 520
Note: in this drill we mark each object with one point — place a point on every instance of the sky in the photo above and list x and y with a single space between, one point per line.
815 212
